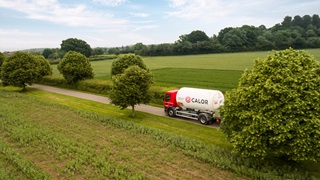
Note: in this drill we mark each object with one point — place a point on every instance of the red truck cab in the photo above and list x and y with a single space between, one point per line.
170 99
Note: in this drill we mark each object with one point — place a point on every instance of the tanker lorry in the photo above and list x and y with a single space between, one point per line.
194 103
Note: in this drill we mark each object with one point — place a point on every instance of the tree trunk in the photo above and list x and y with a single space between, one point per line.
24 88
132 112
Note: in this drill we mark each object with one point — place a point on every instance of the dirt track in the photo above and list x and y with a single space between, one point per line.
143 108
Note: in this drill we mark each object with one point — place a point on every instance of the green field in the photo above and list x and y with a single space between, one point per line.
62 137
50 136
212 71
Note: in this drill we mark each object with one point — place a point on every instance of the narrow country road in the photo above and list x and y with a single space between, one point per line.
143 108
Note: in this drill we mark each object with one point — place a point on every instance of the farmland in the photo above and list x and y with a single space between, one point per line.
51 140
62 137
49 136
212 71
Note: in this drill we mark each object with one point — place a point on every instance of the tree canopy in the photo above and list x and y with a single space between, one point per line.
2 58
124 61
197 36
45 68
20 69
78 45
47 52
75 67
275 110
131 87
297 32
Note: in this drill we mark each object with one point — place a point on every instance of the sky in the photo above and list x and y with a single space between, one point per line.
28 24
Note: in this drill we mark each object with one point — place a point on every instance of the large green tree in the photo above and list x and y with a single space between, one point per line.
124 61
235 39
20 69
78 45
276 108
197 36
75 67
45 68
131 88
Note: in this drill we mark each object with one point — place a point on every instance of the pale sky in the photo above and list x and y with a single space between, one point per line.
29 24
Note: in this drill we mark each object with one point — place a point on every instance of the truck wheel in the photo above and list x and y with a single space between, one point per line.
171 112
203 118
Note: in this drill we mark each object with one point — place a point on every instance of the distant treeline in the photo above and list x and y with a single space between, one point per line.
297 32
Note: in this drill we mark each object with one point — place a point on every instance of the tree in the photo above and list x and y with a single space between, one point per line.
281 39
124 61
275 110
47 52
20 69
287 22
131 88
298 21
78 45
138 47
114 51
183 47
197 36
45 68
75 67
204 47
235 39
263 43
306 20
98 51
56 54
315 20
223 32
251 34
2 58
313 42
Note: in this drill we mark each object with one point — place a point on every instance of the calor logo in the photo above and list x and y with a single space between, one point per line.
188 99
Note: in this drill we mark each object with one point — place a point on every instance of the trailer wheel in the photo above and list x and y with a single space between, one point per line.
171 112
203 118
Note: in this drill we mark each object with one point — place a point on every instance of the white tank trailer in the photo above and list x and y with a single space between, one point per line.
194 103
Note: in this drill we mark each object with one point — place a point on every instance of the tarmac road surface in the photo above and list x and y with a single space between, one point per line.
143 108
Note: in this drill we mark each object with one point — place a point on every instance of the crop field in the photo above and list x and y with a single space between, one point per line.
52 141
62 137
211 71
